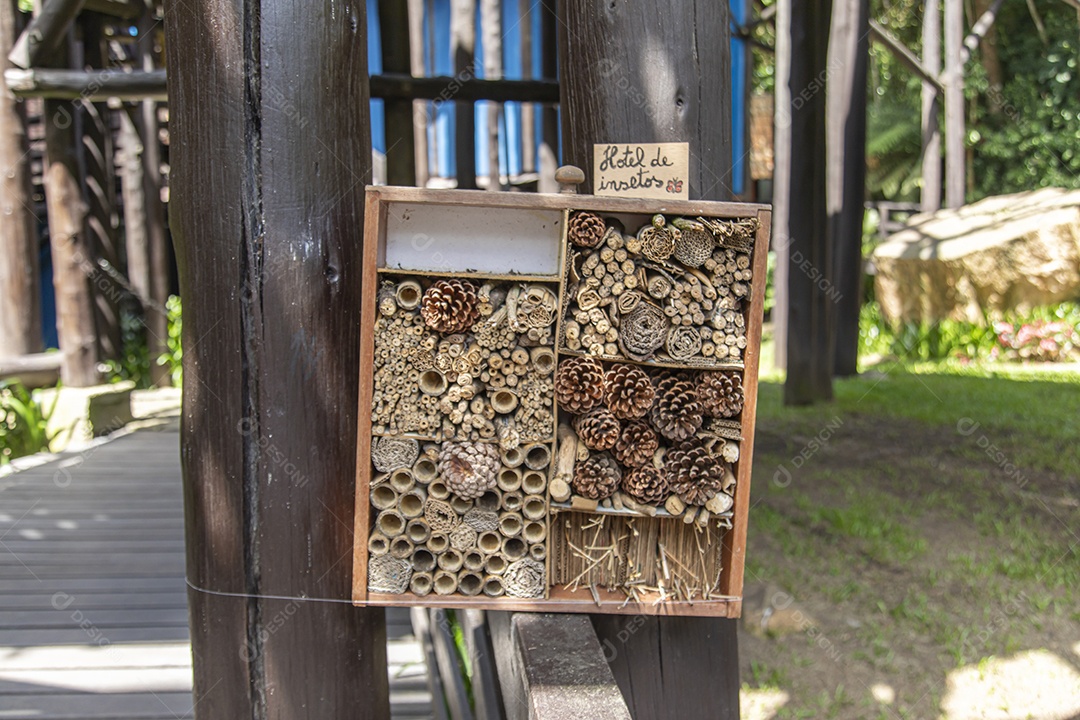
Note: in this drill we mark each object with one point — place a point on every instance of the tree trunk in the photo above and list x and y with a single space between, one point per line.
674 59
134 200
846 99
810 321
20 277
463 48
271 151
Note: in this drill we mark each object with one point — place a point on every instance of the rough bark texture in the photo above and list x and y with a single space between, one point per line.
849 53
20 292
271 152
810 322
638 71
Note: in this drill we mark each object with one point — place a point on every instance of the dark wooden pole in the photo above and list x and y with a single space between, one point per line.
665 667
45 33
930 199
849 56
463 48
20 291
271 151
400 143
528 110
99 182
810 321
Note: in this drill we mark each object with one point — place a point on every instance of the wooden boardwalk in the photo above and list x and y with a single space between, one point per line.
93 611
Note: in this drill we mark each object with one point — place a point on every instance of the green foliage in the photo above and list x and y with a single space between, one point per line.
893 149
23 423
1048 333
134 363
26 6
173 357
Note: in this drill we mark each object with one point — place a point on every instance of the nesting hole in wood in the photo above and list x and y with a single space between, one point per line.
514 548
470 583
383 497
533 482
489 542
423 560
509 525
438 542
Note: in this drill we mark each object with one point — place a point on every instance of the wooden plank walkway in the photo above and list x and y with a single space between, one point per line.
93 605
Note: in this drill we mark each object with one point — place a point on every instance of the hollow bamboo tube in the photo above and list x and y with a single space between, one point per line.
408 294
418 531
383 497
543 360
437 489
411 504
402 480
401 547
461 505
504 400
533 482
511 501
537 456
495 565
493 586
432 382
510 524
514 548
390 523
491 500
445 583
423 560
450 560
534 532
473 560
425 470
489 542
420 584
438 542
538 552
509 479
470 583
534 507
378 544
513 457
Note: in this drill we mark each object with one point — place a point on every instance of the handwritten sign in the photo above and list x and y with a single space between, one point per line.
642 170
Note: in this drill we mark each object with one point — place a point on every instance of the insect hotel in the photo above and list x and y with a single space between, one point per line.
557 401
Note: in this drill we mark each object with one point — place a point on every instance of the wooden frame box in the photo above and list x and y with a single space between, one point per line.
487 318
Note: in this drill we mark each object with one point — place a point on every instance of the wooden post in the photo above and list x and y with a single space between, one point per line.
930 199
548 154
463 48
955 156
810 322
849 55
45 33
491 25
134 201
99 181
781 181
20 292
528 110
271 151
396 58
419 107
665 667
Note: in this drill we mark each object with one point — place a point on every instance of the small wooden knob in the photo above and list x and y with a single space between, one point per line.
569 177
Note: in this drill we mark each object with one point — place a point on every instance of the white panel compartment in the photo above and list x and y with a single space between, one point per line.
459 238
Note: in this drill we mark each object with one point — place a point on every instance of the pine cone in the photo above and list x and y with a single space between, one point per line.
598 429
450 306
694 474
646 484
585 229
676 413
469 469
579 384
597 478
636 445
721 393
628 391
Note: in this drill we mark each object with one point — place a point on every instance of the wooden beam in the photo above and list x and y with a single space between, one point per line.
528 110
547 161
20 276
553 667
44 33
955 154
930 194
904 55
486 692
462 51
419 107
491 32
846 176
124 9
90 85
400 143
271 150
781 182
811 316
36 370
